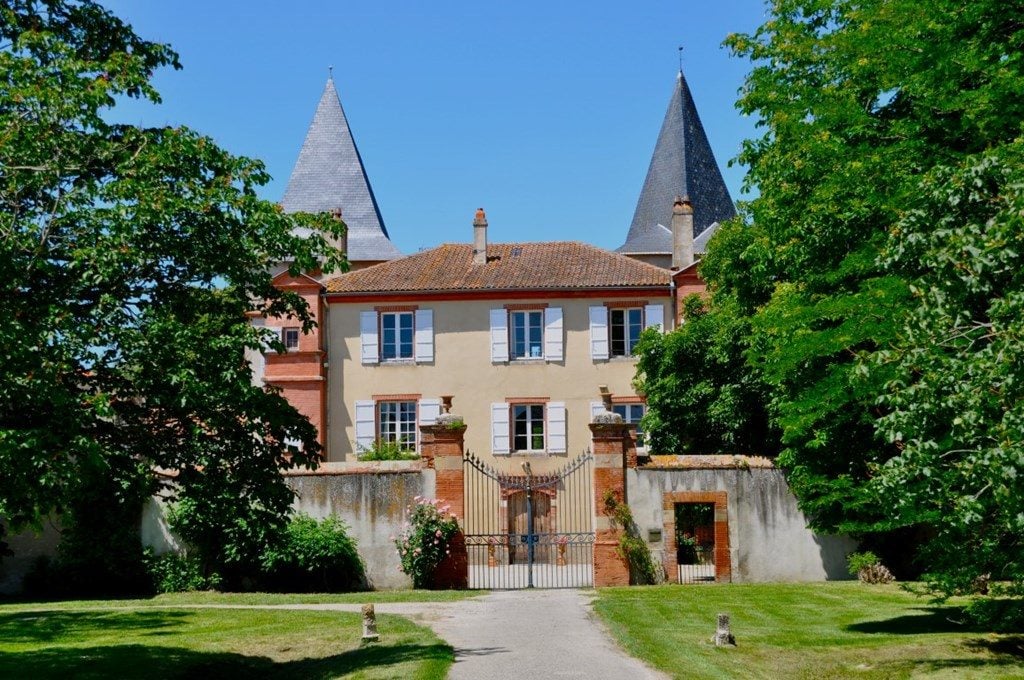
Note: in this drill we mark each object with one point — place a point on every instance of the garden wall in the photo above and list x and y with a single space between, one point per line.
372 500
28 546
768 538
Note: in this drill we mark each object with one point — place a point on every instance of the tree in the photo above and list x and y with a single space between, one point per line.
132 257
701 395
956 400
870 110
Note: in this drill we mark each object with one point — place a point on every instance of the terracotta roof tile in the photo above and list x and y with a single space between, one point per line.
510 266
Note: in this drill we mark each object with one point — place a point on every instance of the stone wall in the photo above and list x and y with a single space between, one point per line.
27 546
372 500
768 538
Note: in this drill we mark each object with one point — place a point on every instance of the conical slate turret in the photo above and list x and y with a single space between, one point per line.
329 175
682 165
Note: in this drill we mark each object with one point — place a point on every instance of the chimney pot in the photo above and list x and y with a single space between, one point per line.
480 237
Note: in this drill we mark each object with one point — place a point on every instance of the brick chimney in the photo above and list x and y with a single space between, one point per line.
682 233
480 237
343 243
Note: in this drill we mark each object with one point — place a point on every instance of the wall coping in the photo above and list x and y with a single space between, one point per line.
705 462
361 467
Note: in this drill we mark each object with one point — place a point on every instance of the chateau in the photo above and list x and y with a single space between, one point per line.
528 340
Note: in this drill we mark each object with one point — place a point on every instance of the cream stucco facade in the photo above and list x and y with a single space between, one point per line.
462 367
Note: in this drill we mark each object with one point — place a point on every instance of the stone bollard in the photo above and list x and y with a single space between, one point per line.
723 636
369 624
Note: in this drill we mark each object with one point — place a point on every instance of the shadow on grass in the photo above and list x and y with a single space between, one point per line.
933 620
66 626
1010 645
141 661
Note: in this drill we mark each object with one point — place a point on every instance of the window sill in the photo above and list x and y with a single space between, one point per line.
396 362
623 359
527 361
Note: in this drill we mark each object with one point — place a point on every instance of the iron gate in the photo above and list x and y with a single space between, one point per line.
526 530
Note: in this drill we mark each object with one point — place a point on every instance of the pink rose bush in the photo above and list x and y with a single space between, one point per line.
424 541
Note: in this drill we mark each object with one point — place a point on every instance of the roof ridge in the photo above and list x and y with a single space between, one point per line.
548 265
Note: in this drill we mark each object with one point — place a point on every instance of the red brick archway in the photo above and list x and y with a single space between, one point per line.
723 566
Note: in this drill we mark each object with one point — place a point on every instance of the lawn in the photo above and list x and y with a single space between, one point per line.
248 599
213 643
833 630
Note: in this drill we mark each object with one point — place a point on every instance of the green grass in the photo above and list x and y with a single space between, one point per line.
250 599
834 630
213 643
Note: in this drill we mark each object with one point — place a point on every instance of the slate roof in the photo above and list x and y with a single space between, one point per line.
510 266
329 174
682 165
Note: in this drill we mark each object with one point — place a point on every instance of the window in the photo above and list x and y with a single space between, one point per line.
396 335
528 427
527 334
518 334
626 325
615 327
397 422
291 339
632 413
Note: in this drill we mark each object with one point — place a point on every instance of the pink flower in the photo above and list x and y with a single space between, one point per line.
438 533
436 541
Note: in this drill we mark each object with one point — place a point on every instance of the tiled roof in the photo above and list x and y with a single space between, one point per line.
510 266
682 165
329 174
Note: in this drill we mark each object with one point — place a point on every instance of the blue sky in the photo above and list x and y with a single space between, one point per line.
544 113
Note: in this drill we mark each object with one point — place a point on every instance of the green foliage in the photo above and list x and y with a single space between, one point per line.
100 552
632 547
388 450
1000 614
857 102
425 540
132 257
873 287
955 403
861 560
179 573
314 556
701 395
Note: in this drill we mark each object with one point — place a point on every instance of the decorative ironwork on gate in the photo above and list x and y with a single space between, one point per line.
527 530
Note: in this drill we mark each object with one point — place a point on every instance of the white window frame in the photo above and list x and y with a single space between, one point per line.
626 325
531 350
530 420
371 336
284 337
404 431
397 316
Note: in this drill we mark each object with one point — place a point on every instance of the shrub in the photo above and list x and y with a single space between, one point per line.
426 539
868 568
178 573
632 547
387 450
314 556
